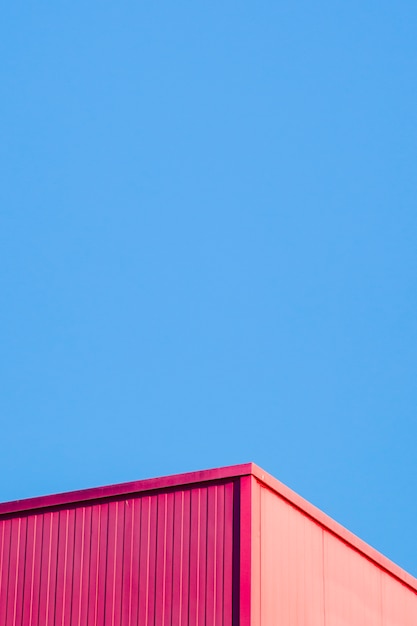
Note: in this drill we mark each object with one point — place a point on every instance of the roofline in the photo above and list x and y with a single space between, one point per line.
223 473
334 528
124 489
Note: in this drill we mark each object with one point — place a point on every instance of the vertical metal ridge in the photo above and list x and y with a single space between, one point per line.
5 571
16 577
48 584
23 581
54 571
119 564
143 579
129 621
154 561
80 586
2 549
87 561
113 596
181 557
189 559
224 553
148 549
39 587
171 615
121 557
92 611
17 571
97 568
198 555
219 566
107 574
126 563
209 554
102 565
159 561
55 594
206 525
32 580
7 594
138 567
64 586
125 608
44 559
71 540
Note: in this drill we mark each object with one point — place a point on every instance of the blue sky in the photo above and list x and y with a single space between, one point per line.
208 249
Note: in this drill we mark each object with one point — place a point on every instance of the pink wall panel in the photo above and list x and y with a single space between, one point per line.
352 585
288 589
157 559
399 606
303 574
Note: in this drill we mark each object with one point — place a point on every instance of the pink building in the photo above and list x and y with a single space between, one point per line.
223 547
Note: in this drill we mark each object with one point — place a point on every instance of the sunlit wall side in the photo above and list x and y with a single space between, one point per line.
303 574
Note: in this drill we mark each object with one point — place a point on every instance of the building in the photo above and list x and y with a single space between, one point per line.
223 547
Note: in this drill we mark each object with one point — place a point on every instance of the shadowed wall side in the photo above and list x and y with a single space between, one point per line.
154 559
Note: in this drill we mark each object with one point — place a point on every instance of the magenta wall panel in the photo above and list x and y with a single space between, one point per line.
288 587
224 547
157 558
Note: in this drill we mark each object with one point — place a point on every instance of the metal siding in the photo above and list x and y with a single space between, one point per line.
352 586
399 606
290 584
213 548
304 575
228 564
159 559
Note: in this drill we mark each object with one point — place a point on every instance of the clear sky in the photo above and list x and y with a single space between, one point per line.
208 249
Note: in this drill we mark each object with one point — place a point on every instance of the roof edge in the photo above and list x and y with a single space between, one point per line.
334 527
223 473
121 489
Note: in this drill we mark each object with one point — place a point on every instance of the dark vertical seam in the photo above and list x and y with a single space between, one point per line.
236 540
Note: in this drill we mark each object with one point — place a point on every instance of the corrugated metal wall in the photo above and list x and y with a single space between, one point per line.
215 550
153 560
303 575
